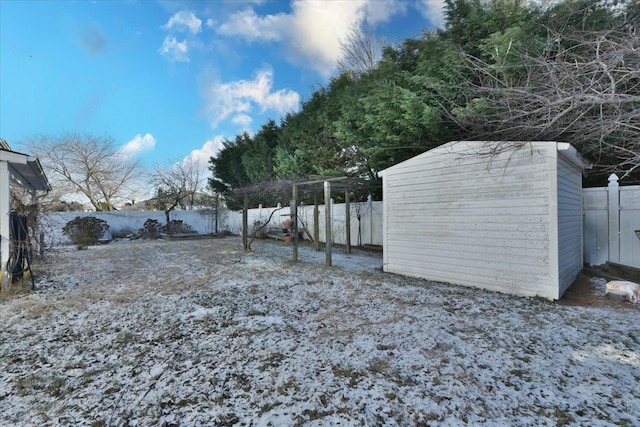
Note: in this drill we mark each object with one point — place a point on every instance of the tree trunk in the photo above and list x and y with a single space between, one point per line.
166 216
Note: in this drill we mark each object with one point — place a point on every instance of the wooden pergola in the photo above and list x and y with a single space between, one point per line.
17 170
320 183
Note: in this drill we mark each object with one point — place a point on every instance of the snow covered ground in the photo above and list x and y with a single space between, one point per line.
199 333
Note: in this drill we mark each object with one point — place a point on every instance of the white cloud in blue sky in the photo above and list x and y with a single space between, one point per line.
209 149
236 100
175 50
311 34
139 144
181 22
185 20
252 27
183 70
376 12
242 120
433 11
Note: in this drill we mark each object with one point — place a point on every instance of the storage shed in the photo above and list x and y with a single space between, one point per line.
503 216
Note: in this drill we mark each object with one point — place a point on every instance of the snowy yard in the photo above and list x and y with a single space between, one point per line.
199 333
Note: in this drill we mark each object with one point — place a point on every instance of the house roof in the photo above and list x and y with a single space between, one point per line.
24 170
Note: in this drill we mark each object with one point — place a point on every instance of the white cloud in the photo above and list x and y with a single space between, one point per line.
237 99
312 32
139 144
209 149
242 120
433 11
382 11
252 27
174 50
184 20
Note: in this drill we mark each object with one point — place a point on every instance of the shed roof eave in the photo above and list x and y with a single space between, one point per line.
571 154
13 157
29 168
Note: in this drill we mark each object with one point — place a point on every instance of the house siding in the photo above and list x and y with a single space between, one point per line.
569 224
454 216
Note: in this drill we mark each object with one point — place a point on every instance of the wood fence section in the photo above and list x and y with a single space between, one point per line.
611 218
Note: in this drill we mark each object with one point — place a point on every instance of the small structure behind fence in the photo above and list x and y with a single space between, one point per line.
611 218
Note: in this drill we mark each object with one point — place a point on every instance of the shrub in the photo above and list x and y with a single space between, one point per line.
85 231
151 228
178 226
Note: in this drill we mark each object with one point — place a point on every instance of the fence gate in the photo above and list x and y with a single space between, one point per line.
611 218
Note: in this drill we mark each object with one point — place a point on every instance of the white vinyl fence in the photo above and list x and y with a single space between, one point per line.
611 218
366 221
124 222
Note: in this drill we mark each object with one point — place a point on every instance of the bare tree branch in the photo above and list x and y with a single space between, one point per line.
587 94
88 165
177 185
361 51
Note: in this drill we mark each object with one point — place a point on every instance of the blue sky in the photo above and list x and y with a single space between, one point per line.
170 79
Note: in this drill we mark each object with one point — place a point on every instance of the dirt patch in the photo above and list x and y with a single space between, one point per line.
589 291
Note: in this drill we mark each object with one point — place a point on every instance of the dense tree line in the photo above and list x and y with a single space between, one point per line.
498 70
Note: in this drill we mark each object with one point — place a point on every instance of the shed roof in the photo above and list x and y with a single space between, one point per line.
491 148
24 170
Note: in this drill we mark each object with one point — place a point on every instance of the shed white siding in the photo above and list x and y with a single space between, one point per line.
455 215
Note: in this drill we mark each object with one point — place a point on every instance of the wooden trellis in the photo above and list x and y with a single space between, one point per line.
326 183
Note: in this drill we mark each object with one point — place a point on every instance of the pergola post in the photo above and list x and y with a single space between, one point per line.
347 221
216 206
245 223
316 222
327 222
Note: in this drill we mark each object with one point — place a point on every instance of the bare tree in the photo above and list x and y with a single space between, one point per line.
178 185
88 165
360 51
587 93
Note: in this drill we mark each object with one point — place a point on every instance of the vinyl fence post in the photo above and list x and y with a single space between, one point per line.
370 206
614 218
